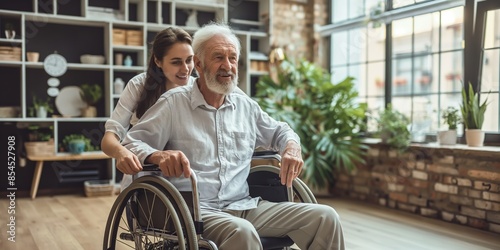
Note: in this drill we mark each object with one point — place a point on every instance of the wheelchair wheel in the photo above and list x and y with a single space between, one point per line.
302 192
143 218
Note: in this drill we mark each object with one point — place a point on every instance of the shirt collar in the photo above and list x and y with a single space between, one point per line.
197 98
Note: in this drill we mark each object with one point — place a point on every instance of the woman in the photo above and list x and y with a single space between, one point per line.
170 66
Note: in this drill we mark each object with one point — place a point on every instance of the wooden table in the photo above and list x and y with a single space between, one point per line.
96 155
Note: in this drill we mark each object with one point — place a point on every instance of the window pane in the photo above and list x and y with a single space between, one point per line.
401 76
426 30
452 28
490 76
491 119
401 36
435 73
422 116
422 72
339 48
339 74
451 71
376 78
401 3
358 71
356 8
357 45
339 10
376 43
403 105
492 31
371 5
375 105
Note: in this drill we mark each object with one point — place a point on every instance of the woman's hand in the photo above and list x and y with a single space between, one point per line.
127 162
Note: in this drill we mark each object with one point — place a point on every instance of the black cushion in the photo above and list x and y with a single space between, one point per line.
269 243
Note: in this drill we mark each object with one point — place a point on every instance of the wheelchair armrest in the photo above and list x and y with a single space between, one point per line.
266 154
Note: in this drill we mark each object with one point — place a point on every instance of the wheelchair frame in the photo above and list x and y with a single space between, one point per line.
152 214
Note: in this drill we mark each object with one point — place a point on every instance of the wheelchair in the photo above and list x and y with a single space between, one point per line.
152 214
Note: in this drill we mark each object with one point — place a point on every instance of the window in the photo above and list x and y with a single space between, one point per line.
424 69
490 75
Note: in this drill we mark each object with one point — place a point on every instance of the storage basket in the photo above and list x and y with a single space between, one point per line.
134 37
119 36
98 188
8 53
40 148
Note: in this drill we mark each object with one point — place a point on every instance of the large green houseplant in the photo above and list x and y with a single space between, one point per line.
326 116
473 116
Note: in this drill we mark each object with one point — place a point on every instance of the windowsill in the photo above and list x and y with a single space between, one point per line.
435 145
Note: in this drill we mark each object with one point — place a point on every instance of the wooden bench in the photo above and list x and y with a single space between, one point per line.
96 155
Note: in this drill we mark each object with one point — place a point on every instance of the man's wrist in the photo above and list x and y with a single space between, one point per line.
152 158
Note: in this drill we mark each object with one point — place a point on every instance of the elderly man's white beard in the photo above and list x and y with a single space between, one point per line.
222 88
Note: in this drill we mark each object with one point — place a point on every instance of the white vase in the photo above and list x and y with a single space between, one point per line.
10 34
118 86
474 137
447 137
41 112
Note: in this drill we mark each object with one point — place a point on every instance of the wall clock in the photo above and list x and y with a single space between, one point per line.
55 65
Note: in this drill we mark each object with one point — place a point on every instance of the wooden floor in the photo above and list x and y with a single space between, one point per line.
71 222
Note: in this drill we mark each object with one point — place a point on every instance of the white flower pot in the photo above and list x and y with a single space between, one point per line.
41 112
447 137
474 137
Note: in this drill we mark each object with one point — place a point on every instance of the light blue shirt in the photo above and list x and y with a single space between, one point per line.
219 143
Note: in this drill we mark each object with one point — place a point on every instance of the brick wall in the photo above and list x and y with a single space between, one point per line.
455 184
293 28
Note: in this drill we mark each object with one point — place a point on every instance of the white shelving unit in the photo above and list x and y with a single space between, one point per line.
77 27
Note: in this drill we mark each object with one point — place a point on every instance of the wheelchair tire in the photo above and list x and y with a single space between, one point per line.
127 208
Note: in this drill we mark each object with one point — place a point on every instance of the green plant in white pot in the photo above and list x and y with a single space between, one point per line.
473 116
42 108
451 117
91 94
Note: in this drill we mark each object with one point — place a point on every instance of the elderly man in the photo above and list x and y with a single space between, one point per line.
211 129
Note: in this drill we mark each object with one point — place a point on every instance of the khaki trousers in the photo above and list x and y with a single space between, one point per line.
310 226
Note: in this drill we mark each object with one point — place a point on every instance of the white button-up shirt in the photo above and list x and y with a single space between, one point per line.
219 143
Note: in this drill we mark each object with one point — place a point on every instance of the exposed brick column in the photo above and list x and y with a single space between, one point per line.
293 28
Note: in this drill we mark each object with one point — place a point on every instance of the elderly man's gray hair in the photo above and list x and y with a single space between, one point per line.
208 31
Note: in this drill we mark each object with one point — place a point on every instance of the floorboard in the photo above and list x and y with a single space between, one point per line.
77 222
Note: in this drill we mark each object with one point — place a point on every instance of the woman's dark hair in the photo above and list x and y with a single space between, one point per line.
154 86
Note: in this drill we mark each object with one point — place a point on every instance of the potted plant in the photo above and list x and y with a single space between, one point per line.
77 144
10 32
326 116
451 117
91 94
393 128
42 108
40 140
473 116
